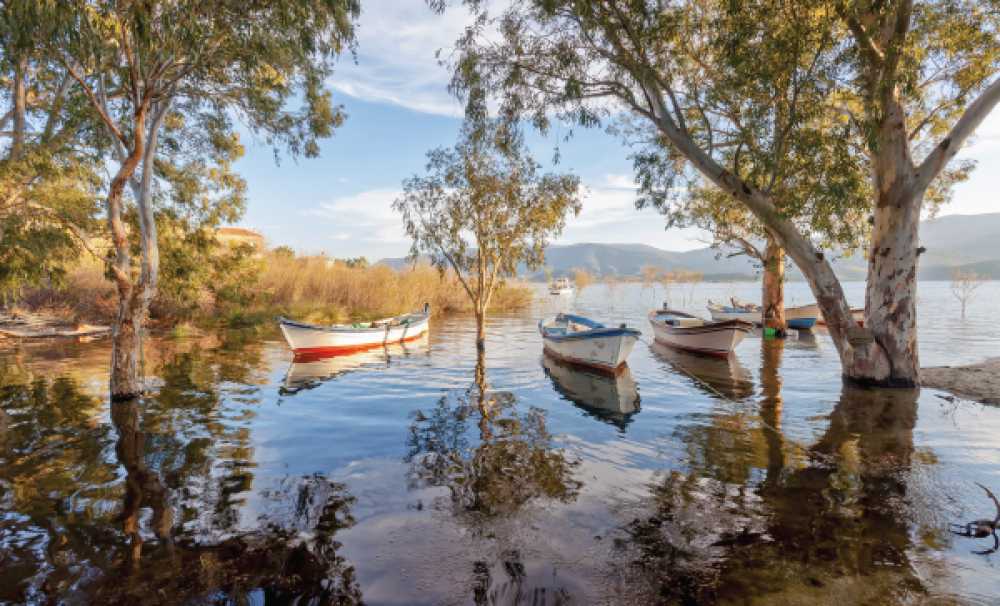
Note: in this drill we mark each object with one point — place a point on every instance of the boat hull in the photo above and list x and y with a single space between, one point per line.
604 349
716 338
305 339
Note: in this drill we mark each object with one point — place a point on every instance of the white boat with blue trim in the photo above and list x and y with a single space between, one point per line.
580 340
802 317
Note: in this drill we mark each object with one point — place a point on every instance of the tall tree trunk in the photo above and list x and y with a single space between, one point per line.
20 108
480 331
773 295
891 294
126 330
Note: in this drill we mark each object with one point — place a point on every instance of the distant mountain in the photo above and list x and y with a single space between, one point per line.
967 242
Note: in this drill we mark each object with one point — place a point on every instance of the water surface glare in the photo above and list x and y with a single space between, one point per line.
376 478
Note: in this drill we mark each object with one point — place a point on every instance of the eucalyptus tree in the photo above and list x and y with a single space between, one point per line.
49 182
483 209
894 80
191 67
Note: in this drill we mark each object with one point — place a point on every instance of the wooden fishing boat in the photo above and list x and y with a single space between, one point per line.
582 341
802 317
684 331
610 398
343 338
561 286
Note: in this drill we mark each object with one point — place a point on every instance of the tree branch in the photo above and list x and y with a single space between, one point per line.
944 151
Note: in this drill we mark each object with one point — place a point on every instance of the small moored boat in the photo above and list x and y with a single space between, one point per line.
684 331
342 338
802 317
561 286
582 341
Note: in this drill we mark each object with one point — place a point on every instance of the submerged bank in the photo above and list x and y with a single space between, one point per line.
980 381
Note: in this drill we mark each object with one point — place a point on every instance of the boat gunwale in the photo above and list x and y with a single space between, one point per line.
345 328
598 330
708 327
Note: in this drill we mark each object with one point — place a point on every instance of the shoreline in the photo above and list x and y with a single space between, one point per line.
979 382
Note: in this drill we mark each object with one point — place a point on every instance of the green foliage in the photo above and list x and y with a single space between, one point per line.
484 208
766 97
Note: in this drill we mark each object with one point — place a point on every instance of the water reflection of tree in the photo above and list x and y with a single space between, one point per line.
512 463
111 513
834 524
494 460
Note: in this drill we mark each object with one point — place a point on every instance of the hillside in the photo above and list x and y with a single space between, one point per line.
967 242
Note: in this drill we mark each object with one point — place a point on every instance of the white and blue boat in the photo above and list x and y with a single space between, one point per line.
800 318
582 341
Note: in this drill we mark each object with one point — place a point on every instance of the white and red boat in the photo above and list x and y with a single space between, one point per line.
343 338
684 331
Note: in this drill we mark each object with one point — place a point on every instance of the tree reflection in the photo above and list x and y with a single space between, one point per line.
494 460
129 512
834 525
511 463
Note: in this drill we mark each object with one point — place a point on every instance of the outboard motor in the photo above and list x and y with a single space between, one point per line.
427 308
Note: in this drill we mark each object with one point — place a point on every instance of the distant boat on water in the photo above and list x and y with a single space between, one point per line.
684 331
345 338
580 340
613 398
802 317
561 286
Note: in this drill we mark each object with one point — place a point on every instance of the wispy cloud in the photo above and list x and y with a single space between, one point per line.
363 223
397 63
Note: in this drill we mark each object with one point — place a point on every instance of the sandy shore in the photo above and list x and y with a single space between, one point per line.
980 382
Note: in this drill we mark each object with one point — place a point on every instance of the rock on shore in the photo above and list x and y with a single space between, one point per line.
980 382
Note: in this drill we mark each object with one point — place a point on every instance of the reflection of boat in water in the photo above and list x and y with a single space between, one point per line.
309 370
713 374
613 399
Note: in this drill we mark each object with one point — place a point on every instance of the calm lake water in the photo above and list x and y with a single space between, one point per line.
374 478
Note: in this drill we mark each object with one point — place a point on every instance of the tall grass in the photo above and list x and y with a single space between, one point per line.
320 290
313 289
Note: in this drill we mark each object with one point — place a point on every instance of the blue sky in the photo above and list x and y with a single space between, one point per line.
398 108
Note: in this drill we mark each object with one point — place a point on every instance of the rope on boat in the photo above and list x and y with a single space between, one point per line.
805 449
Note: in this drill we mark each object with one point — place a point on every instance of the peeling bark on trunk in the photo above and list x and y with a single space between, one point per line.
891 294
773 295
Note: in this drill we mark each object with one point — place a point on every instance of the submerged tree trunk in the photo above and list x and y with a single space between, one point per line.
773 295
